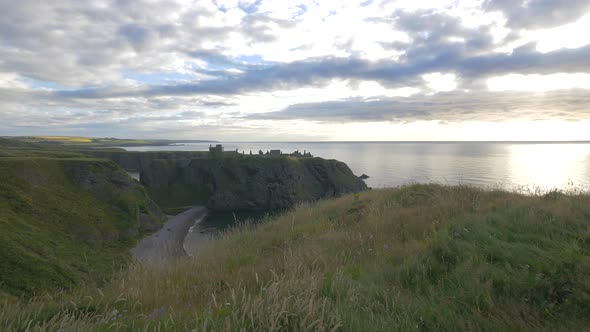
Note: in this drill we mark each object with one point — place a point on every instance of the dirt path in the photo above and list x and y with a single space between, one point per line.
168 241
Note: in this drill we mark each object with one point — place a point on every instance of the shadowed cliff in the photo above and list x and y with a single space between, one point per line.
247 183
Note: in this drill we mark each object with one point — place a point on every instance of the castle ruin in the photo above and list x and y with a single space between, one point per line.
218 151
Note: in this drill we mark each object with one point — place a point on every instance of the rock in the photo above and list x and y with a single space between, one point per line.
364 176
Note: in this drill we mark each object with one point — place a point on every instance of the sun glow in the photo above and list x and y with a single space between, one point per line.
439 82
565 36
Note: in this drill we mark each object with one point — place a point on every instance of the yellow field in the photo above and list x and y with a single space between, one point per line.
65 139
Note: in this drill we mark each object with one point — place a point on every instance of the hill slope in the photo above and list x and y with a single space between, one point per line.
419 258
66 220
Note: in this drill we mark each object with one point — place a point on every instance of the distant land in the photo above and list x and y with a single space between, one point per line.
100 142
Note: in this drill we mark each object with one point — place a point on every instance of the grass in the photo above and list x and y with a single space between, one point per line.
417 258
64 222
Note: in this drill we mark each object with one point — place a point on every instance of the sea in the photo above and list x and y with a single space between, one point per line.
528 167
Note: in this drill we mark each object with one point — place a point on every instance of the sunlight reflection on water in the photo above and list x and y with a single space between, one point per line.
550 165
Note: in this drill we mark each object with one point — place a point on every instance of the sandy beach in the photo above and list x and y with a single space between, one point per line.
168 241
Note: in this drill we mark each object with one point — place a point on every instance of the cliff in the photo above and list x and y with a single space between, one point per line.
247 183
66 221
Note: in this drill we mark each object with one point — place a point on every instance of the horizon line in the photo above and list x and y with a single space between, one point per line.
188 140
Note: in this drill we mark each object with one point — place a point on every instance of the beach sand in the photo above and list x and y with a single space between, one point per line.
168 241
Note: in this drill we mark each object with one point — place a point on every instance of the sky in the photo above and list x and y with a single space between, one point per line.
262 70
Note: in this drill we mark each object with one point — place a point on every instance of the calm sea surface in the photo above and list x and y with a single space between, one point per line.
390 164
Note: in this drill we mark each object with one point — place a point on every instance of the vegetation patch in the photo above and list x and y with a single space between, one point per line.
66 221
417 258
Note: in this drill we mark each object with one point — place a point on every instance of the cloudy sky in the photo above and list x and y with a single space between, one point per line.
252 70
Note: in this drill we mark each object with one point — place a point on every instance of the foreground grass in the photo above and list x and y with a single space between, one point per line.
423 257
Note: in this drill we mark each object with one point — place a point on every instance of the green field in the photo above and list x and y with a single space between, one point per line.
418 258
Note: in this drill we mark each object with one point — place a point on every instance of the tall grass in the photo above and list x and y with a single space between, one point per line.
417 258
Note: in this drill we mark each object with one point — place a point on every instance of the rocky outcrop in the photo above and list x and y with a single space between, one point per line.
247 183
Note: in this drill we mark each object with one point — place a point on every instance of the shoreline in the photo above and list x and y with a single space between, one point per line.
168 242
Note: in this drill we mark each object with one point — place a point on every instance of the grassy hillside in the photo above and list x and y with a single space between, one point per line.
419 258
66 221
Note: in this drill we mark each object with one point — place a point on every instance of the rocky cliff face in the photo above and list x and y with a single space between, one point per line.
248 183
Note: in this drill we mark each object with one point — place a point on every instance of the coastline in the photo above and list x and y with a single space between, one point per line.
168 241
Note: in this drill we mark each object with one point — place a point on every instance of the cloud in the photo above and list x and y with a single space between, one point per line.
103 42
107 62
139 37
536 14
432 31
259 28
88 44
392 74
453 106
